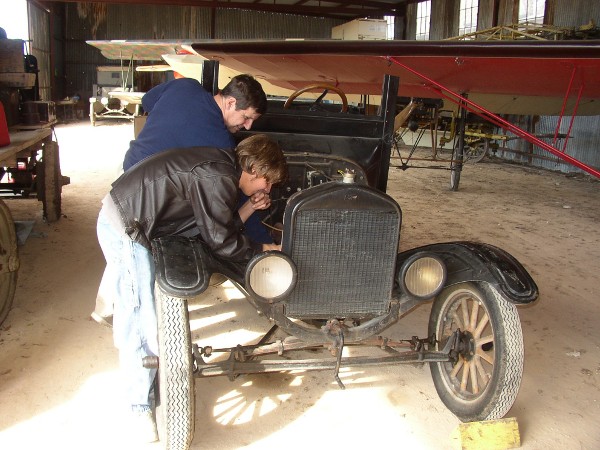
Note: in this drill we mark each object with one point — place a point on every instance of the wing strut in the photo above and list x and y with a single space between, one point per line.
497 120
562 111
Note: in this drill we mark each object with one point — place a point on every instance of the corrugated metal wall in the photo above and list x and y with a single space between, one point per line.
39 46
574 13
241 24
95 21
582 145
508 11
411 21
444 19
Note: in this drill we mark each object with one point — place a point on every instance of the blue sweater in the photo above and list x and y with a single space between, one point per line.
181 114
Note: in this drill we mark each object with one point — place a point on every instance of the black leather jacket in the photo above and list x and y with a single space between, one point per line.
185 191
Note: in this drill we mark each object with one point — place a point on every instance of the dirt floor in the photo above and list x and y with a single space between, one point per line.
58 369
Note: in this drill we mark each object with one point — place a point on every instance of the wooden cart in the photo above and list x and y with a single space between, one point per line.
36 155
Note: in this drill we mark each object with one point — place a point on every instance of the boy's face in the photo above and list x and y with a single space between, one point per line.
251 183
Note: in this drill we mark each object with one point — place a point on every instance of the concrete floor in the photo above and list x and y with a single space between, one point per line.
58 369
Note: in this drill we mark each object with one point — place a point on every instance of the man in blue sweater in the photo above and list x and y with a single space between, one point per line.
182 114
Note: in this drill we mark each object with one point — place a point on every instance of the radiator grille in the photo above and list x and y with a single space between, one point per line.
345 260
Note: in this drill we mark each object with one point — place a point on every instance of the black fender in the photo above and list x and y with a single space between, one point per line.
476 262
184 266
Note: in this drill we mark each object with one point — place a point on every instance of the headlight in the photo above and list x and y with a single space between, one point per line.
271 276
423 275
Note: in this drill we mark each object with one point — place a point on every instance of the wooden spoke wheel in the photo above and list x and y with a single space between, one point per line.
483 382
9 261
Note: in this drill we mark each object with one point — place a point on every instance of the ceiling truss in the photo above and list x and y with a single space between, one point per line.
339 9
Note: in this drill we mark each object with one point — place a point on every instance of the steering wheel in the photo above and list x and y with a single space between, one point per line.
317 103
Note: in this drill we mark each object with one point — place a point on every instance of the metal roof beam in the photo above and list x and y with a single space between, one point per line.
338 10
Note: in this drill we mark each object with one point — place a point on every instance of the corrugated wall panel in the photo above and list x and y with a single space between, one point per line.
58 51
265 25
485 14
506 12
86 21
444 19
39 47
574 13
157 22
81 61
582 145
411 21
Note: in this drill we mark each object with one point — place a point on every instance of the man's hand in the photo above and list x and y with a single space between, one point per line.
260 200
267 247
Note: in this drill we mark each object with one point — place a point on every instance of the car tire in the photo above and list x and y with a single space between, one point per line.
176 396
483 383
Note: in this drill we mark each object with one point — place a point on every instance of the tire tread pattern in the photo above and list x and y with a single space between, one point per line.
175 373
504 385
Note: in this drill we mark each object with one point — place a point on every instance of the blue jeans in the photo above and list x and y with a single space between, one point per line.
130 276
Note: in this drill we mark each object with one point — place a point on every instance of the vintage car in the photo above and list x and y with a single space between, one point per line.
337 283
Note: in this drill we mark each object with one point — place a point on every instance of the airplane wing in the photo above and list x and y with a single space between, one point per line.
190 65
151 50
507 77
484 77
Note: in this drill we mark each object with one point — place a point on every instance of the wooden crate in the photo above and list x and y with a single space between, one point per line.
11 55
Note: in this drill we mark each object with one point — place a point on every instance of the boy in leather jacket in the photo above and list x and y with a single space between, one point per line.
174 192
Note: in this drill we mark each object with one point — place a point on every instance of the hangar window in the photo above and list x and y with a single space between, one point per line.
423 20
390 27
532 11
468 16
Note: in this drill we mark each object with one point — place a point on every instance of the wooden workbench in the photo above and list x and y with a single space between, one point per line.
49 178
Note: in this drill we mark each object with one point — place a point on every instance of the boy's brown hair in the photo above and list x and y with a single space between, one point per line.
262 155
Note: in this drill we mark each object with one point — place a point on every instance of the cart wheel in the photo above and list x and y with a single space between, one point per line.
9 261
484 382
456 167
175 408
474 154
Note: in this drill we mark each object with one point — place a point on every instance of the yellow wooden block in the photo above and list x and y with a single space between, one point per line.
490 435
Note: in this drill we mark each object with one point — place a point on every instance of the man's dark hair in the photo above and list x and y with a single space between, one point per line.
247 92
